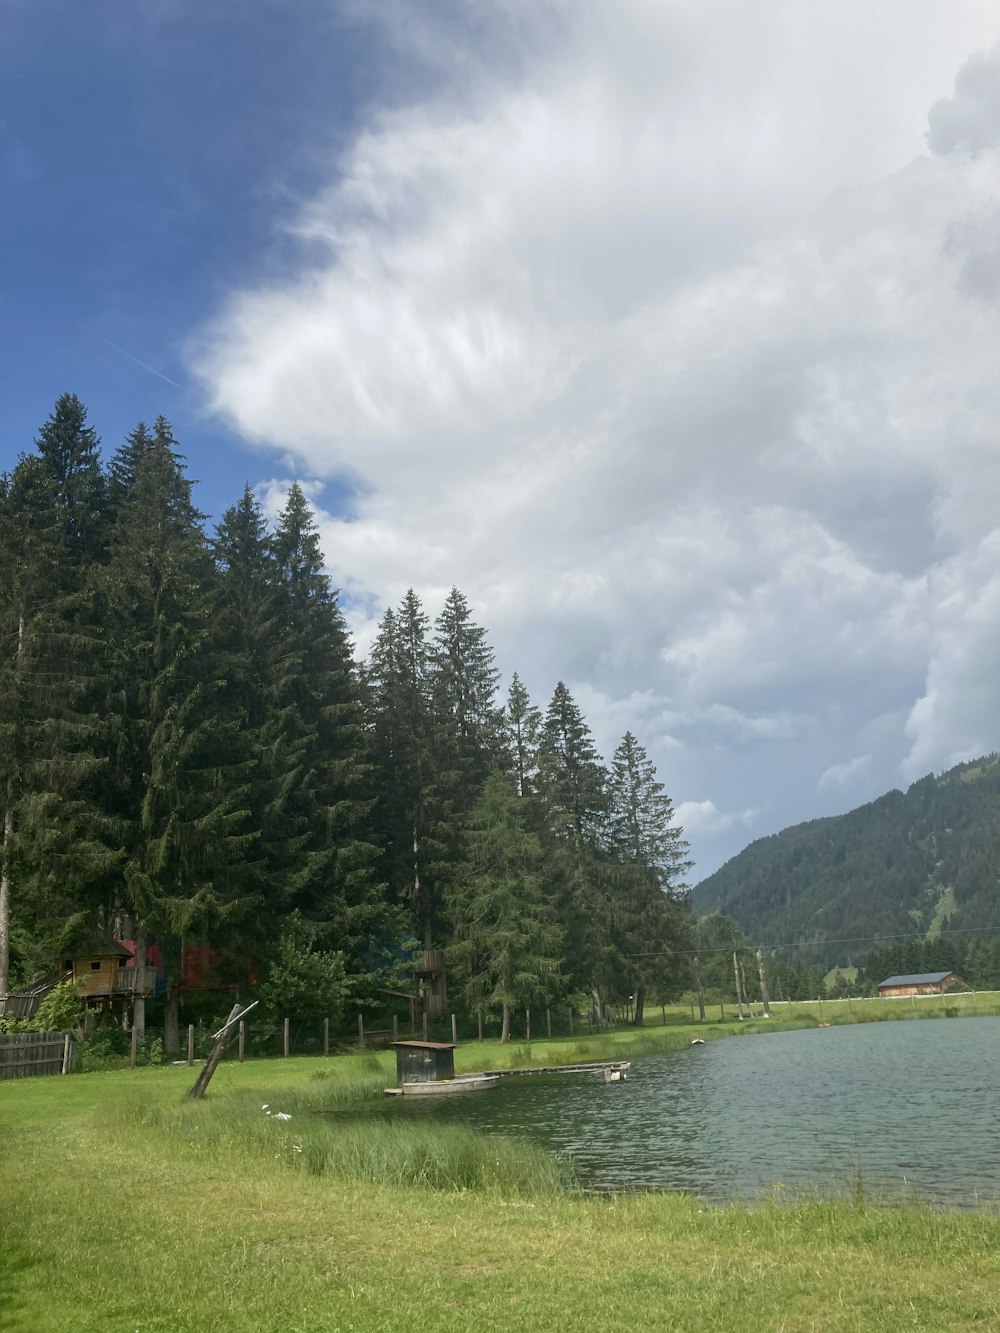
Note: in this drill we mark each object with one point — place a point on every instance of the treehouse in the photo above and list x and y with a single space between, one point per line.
429 975
107 971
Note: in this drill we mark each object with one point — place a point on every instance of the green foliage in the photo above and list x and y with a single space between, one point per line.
506 939
189 752
304 983
61 1010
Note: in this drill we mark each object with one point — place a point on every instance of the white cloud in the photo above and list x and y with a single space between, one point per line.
844 775
681 363
699 818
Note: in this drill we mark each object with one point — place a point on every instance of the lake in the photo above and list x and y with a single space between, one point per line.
913 1104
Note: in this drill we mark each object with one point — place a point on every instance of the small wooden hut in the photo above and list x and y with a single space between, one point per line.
424 1061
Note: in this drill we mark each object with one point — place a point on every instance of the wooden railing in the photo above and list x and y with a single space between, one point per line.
134 981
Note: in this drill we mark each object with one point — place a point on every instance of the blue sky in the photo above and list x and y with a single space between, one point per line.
665 331
148 154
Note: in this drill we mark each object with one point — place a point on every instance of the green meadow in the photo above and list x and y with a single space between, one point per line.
125 1207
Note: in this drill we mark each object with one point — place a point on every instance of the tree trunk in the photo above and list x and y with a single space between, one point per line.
739 993
640 1001
505 1029
5 855
171 1019
765 1000
596 1008
171 1007
139 1001
700 987
7 848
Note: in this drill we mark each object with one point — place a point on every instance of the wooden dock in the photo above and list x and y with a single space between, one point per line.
620 1067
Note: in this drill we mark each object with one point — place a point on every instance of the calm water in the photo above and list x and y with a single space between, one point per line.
915 1104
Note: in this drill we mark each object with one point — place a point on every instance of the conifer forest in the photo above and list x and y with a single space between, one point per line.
191 752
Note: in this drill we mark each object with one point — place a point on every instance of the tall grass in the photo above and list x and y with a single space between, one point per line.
243 1130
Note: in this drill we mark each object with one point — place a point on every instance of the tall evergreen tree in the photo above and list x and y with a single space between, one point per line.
46 824
322 749
571 778
522 727
571 785
69 451
176 782
401 703
506 937
650 921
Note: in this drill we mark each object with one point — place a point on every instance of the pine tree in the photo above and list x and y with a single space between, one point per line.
464 688
506 938
322 751
47 825
69 451
176 780
399 678
521 731
650 918
571 785
571 776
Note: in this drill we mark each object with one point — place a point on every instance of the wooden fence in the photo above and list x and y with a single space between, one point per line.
24 1054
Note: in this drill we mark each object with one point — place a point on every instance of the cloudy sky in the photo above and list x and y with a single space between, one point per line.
666 330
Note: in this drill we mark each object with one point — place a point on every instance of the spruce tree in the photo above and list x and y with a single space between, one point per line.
650 921
322 753
506 941
400 686
69 451
571 784
176 779
521 732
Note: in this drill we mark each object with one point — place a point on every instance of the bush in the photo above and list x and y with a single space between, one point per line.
61 1010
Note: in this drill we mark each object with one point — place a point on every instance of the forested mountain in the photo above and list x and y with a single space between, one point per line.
914 863
190 752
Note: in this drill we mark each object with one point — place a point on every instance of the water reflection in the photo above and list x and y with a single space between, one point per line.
912 1104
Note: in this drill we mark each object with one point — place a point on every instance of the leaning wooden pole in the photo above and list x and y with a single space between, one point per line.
222 1040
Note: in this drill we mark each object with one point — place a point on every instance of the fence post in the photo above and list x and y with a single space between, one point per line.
395 1027
454 1031
190 1043
243 1041
326 1036
361 1032
571 1021
287 1043
424 1024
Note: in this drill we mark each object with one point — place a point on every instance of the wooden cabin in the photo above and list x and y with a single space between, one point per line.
424 1061
921 983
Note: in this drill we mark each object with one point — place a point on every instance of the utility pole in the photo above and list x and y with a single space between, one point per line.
763 983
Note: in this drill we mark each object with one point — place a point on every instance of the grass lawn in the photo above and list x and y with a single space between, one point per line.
123 1208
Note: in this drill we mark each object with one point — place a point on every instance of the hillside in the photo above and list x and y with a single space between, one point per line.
908 863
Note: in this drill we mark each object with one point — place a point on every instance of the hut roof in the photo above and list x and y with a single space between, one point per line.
916 979
428 1045
101 946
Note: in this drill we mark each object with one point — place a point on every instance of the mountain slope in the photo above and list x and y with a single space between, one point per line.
910 863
